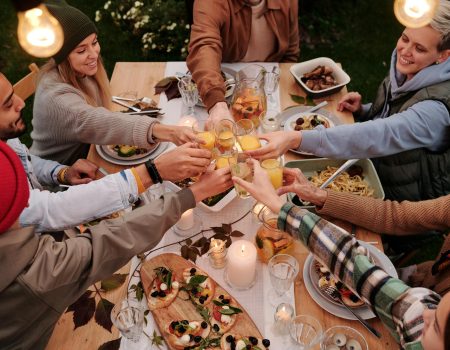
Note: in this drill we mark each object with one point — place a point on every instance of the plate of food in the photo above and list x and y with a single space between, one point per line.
128 154
320 77
192 310
315 276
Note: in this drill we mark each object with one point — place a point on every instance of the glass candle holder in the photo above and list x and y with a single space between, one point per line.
217 253
283 316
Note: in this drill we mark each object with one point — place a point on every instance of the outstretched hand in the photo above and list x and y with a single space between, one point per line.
261 188
350 102
212 182
278 143
81 172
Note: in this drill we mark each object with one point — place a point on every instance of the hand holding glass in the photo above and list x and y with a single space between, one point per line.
241 167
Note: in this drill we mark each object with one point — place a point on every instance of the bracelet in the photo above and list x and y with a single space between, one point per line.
62 176
153 172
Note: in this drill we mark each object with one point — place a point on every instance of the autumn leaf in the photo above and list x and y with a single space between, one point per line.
226 228
218 230
228 242
83 309
110 345
188 241
205 248
185 252
103 312
298 99
193 253
236 233
200 242
113 282
221 236
138 290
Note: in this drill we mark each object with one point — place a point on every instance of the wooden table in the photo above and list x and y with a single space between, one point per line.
142 77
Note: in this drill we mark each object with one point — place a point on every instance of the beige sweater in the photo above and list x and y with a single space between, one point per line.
64 125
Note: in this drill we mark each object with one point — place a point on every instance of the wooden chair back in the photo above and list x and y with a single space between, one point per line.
26 86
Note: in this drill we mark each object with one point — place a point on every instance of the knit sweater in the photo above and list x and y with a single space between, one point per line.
64 124
388 216
398 306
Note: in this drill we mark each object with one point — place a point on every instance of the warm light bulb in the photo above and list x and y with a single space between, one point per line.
415 13
39 33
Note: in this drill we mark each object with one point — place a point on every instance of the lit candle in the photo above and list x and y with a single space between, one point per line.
188 121
283 316
241 265
217 253
186 221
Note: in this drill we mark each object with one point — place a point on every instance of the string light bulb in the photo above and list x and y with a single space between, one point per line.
415 13
39 33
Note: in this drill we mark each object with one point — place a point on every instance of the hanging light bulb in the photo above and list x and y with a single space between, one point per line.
415 13
39 33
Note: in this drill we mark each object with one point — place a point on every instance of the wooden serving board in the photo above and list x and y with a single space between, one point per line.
181 309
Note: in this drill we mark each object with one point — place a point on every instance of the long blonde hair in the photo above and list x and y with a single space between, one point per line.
69 76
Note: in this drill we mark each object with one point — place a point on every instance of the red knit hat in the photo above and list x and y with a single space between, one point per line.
14 191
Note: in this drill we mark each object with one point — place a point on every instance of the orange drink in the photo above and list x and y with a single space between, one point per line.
274 170
222 158
249 142
209 139
225 131
225 139
249 103
245 132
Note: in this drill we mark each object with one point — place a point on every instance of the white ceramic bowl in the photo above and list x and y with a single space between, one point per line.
214 208
299 69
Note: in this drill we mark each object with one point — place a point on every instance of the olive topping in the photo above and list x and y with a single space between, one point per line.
181 329
197 339
191 337
226 301
216 327
253 340
192 271
173 324
229 338
161 294
154 294
299 121
194 290
266 342
201 300
185 322
203 325
233 346
221 296
248 347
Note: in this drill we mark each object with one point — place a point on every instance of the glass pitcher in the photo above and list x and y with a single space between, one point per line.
269 240
249 98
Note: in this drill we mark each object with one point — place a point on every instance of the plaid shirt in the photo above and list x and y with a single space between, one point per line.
398 306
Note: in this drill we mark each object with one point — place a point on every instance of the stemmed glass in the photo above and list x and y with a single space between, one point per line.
189 93
283 270
271 80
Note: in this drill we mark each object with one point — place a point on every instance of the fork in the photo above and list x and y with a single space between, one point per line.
335 295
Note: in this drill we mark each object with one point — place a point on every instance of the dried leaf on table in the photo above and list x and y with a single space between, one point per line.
103 312
193 253
228 242
200 242
113 282
205 248
169 86
139 290
83 309
185 251
298 99
157 340
236 233
111 345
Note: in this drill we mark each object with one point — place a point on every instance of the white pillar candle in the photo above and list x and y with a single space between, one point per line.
186 221
241 265
188 121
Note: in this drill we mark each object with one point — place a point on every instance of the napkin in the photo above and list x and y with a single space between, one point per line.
169 86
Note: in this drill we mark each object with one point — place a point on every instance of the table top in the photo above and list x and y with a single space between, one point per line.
142 77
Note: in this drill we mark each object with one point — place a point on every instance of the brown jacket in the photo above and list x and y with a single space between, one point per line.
41 277
221 33
398 219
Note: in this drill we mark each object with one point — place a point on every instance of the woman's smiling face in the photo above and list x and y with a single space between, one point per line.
435 325
417 49
84 58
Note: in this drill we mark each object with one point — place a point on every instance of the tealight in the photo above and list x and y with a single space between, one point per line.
283 316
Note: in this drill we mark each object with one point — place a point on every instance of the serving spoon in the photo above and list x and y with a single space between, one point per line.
342 168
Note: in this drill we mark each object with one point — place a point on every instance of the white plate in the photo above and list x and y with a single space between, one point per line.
295 111
128 162
108 149
333 308
291 120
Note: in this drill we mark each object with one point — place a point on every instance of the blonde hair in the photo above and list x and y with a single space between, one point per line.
441 23
69 76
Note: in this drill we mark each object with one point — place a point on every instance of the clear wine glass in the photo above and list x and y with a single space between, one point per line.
189 93
271 81
283 270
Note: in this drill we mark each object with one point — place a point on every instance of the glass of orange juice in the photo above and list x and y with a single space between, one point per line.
222 158
274 169
225 131
246 135
207 136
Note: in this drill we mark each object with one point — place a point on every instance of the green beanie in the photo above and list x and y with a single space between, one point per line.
75 24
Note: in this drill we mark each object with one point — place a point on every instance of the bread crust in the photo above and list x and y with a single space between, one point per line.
224 345
159 302
223 326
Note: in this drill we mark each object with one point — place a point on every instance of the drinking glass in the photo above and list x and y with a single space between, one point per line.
189 93
128 317
225 131
274 168
270 122
283 269
306 332
271 80
343 337
206 135
246 135
241 166
222 158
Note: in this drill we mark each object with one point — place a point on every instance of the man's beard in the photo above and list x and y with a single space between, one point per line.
14 132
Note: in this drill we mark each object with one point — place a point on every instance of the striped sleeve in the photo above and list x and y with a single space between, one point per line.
398 306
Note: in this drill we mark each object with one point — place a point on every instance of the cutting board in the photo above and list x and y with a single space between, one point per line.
181 309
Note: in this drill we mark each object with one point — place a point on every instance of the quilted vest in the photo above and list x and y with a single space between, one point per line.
417 174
